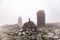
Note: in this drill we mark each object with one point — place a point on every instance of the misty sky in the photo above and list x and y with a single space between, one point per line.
10 10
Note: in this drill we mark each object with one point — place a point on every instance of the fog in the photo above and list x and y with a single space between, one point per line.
10 10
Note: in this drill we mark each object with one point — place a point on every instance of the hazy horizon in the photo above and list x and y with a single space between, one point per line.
10 10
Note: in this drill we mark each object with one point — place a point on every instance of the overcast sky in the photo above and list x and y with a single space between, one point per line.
10 10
